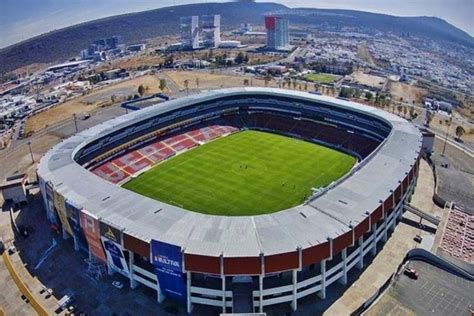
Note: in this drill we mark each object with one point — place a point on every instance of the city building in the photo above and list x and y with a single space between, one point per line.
211 30
230 44
107 43
189 27
136 47
277 33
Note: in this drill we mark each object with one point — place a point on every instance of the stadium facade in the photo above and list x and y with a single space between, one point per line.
194 258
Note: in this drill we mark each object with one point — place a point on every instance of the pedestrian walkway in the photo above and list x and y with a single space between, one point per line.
399 243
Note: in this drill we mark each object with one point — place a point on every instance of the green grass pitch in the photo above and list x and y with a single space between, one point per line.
247 173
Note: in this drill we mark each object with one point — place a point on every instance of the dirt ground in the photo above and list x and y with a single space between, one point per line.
369 80
213 80
134 62
89 102
408 92
440 122
364 53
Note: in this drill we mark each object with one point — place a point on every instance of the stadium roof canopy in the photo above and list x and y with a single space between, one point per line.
333 213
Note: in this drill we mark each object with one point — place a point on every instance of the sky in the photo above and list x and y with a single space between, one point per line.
22 19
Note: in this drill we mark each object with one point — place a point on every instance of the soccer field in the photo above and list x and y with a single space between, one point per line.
321 77
247 173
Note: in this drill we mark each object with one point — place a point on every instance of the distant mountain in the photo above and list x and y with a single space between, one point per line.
65 43
428 27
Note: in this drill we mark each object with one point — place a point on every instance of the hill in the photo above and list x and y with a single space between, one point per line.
67 42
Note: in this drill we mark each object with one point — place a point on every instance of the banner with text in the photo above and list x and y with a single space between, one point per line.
115 256
73 213
60 206
90 226
168 262
52 217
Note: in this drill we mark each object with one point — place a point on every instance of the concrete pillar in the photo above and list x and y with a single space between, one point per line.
394 222
188 290
64 234
343 279
159 296
374 242
76 243
223 294
322 292
131 260
223 284
294 304
260 294
360 263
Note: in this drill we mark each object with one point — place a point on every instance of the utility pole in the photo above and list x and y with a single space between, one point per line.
75 121
446 138
31 152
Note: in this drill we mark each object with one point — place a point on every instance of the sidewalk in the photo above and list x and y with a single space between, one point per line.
393 252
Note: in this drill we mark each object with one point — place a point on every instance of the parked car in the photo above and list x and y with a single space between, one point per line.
418 238
411 273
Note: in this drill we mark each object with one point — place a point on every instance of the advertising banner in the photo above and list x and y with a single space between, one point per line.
90 226
168 262
115 257
49 204
73 214
112 240
60 206
111 233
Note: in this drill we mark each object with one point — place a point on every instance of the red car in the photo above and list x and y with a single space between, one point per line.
411 273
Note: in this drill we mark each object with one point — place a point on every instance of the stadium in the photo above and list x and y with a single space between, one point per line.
239 198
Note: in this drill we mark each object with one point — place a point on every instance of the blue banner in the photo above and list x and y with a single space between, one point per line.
168 262
115 256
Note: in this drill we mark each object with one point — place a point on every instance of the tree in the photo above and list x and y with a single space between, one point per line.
267 79
305 86
141 90
429 117
345 92
399 109
186 85
246 82
368 96
113 98
317 86
240 58
162 85
412 112
459 132
197 82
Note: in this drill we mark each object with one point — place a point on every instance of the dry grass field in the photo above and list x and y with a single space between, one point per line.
369 80
408 92
84 104
213 80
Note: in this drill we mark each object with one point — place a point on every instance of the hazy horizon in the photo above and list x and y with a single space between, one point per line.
23 19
